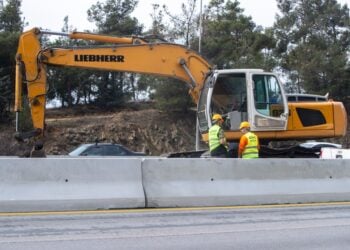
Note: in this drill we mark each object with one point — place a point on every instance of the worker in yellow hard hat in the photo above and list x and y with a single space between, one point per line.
217 140
249 143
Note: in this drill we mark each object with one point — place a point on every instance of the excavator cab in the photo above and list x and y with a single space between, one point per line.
243 95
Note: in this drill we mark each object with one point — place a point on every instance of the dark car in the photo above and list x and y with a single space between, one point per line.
103 149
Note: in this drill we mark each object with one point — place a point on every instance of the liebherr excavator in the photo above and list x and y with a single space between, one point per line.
238 94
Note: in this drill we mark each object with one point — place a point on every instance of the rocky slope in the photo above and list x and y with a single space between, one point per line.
139 128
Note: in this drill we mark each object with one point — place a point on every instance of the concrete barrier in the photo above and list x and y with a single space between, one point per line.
220 182
59 184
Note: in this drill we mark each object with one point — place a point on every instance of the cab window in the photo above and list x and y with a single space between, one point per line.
267 95
230 99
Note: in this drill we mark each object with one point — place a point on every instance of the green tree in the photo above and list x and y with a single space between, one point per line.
183 26
10 17
313 45
232 40
70 86
7 70
113 18
10 27
159 27
170 94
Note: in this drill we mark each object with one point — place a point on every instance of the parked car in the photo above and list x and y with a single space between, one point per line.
318 145
103 149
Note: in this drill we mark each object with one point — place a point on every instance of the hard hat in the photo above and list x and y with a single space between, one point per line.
217 117
244 125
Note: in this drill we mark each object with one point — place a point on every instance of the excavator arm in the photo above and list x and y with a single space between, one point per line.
118 54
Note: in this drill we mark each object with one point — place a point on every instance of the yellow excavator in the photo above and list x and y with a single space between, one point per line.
238 94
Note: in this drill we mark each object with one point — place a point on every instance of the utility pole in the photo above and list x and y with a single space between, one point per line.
200 28
199 51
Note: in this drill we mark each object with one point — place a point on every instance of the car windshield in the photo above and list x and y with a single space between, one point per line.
79 150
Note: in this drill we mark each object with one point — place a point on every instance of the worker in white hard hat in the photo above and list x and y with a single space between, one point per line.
249 143
217 140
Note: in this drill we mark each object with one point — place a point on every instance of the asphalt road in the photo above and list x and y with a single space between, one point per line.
269 227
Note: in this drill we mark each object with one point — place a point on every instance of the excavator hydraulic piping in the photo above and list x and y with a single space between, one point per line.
45 32
17 121
188 72
95 37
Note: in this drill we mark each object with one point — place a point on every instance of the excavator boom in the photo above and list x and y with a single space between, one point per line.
121 54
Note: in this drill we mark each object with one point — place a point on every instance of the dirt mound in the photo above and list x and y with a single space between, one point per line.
140 128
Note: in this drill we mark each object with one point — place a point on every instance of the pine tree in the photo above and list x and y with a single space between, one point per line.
10 27
114 18
313 45
232 40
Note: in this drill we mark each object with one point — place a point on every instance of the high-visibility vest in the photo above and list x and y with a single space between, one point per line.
251 149
214 141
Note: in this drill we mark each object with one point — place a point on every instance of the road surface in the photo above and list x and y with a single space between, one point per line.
318 226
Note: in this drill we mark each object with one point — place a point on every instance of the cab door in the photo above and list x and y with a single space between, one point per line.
267 105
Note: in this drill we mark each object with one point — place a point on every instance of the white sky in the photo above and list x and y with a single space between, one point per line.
49 14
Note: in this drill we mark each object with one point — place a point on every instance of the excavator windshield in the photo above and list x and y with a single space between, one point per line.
234 102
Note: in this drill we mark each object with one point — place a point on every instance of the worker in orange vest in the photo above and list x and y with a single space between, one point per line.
249 143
